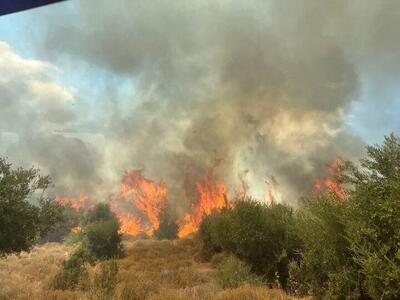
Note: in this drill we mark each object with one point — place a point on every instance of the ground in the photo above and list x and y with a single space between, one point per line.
150 270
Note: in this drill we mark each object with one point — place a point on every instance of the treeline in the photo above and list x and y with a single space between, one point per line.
330 248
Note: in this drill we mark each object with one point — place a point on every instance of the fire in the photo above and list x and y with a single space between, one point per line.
212 196
146 196
76 203
330 183
76 229
129 224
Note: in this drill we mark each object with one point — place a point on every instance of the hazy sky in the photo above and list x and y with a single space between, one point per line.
253 89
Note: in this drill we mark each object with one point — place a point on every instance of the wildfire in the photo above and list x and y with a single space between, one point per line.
129 224
330 183
76 229
76 203
140 200
212 196
146 196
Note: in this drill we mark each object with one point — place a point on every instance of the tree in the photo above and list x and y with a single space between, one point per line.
21 221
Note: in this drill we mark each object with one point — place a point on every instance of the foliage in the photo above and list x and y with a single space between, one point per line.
101 212
351 248
260 235
73 269
21 221
100 240
62 230
104 241
168 228
233 273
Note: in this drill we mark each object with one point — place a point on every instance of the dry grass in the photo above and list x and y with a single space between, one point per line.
25 276
151 270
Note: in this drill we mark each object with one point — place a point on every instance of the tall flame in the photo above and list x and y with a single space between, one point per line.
212 197
145 195
330 184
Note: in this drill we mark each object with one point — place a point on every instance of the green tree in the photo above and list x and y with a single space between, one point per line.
21 221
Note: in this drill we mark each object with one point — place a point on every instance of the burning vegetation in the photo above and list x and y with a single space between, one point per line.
141 201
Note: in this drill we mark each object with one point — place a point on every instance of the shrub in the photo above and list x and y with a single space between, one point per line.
99 240
260 235
168 228
104 241
101 212
326 251
352 247
233 273
72 270
206 232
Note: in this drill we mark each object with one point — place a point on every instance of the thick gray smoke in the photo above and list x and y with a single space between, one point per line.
253 89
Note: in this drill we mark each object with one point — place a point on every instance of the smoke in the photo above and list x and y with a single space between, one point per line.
256 90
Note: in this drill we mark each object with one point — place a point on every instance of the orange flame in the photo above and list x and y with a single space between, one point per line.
212 197
129 224
76 229
75 203
145 195
330 184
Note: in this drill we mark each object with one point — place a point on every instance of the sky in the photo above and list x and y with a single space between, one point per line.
254 90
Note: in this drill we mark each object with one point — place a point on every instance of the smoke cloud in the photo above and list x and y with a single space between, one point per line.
256 90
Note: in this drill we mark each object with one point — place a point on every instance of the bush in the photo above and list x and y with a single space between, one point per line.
168 228
352 247
233 273
99 240
104 241
206 233
73 270
260 235
101 212
326 251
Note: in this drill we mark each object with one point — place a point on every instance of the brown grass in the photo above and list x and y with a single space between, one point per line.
151 270
25 276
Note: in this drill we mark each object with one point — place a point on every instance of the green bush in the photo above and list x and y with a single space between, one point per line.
260 235
233 273
326 255
104 241
73 269
101 212
352 247
99 240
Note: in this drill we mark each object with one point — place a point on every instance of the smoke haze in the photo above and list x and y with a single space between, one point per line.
259 91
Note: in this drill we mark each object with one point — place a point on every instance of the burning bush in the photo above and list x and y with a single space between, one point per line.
260 235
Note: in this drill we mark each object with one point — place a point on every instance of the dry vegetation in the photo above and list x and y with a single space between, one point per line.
27 275
150 270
